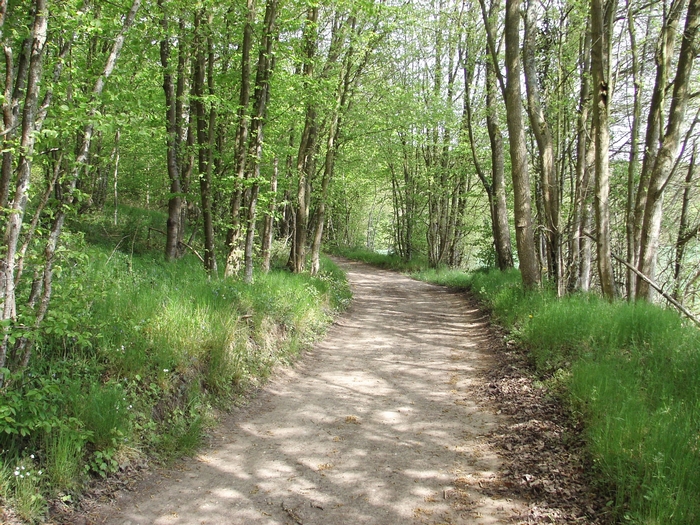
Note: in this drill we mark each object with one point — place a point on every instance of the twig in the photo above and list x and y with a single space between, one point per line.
655 286
181 242
115 249
292 514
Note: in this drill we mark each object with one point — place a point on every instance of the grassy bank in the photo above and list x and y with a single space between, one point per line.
629 372
136 354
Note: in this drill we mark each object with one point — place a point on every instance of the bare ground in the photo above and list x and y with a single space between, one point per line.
407 412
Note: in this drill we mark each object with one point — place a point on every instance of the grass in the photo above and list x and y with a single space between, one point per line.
629 372
631 375
137 354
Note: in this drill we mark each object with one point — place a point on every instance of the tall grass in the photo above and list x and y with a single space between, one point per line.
631 374
136 353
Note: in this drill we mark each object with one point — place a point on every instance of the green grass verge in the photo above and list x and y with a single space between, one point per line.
136 354
630 372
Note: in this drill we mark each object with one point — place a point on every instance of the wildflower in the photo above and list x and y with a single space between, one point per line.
31 456
40 472
166 370
16 472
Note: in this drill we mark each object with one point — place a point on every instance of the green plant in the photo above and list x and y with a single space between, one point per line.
103 462
27 500
104 412
63 449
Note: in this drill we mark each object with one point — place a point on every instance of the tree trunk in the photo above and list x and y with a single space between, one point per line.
632 167
664 56
601 81
11 108
268 230
233 261
26 148
262 96
524 234
501 230
584 148
174 223
204 144
545 146
307 149
685 233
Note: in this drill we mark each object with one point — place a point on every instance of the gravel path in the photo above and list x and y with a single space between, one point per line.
377 424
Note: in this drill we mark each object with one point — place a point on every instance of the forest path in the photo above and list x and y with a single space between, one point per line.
374 425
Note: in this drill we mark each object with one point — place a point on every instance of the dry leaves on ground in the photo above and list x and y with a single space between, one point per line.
544 457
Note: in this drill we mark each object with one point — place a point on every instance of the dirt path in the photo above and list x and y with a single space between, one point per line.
377 424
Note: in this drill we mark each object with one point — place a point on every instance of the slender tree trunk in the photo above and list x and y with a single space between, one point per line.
663 166
268 230
11 108
307 149
116 157
664 56
345 83
262 96
601 81
174 223
26 148
204 144
499 208
584 160
545 145
501 230
524 234
685 233
233 261
633 162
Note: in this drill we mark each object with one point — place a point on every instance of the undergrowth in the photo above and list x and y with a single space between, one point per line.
628 371
136 353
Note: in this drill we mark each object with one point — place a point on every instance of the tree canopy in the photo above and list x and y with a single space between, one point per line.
435 129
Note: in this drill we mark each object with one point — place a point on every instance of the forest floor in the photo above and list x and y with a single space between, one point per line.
413 409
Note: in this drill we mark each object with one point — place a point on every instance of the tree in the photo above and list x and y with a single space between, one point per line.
524 233
601 29
663 166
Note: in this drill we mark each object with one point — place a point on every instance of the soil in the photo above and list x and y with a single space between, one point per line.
406 413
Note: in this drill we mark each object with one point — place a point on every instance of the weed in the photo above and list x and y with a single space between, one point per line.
64 455
27 500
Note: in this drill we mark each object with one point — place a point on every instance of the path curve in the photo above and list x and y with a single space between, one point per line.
374 425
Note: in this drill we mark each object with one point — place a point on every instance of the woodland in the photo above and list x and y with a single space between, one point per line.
165 161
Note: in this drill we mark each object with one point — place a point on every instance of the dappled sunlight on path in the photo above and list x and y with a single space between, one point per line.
374 425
